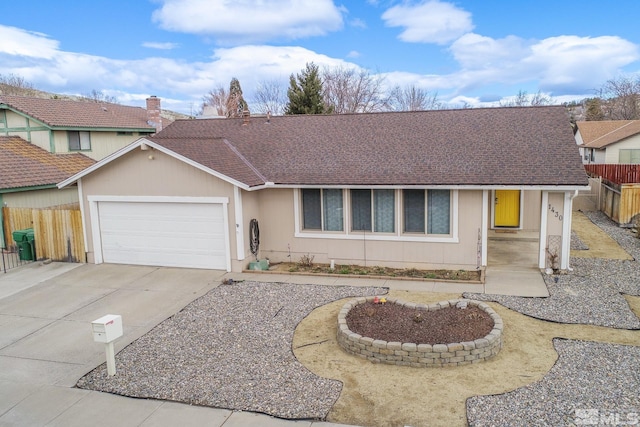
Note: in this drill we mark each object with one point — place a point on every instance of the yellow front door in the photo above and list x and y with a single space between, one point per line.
507 208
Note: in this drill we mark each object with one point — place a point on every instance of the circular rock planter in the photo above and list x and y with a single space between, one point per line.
421 355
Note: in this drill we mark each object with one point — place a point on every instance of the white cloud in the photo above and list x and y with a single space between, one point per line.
358 23
576 61
430 21
476 51
16 41
160 45
570 63
250 20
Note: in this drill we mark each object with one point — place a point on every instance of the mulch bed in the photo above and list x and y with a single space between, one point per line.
396 323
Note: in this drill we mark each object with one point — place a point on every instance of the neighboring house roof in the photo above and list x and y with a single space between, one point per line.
26 165
61 113
515 146
599 134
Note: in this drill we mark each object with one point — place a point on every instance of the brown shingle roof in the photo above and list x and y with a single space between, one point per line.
599 134
26 165
79 114
491 146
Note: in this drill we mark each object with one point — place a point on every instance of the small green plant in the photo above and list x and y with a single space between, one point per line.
306 261
430 276
344 270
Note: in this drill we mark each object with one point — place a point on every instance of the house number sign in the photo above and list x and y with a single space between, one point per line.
553 210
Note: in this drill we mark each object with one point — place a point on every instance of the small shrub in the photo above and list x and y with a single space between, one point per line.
344 270
306 261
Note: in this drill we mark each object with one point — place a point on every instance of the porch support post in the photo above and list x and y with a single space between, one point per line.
566 230
485 227
542 257
239 222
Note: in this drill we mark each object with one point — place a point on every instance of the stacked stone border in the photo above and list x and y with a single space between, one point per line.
421 355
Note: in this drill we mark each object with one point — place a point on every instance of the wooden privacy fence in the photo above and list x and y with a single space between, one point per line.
621 203
618 174
57 232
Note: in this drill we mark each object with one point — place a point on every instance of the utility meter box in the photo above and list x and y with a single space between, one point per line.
107 328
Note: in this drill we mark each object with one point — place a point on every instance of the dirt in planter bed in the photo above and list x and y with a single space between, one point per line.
396 323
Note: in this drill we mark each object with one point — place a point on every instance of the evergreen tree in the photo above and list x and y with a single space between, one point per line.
594 110
236 105
305 92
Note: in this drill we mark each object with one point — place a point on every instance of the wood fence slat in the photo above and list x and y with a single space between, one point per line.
618 174
57 232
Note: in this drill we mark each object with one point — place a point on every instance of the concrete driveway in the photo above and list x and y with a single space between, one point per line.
46 343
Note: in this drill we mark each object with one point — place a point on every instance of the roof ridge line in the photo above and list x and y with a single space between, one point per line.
244 159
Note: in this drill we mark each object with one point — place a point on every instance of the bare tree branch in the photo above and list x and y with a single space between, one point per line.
349 90
270 96
413 98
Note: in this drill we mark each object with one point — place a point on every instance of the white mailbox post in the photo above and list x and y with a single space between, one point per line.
106 330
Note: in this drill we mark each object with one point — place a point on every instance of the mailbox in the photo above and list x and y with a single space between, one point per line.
107 328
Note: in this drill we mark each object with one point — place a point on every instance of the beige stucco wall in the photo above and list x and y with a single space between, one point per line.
612 153
135 174
41 198
278 239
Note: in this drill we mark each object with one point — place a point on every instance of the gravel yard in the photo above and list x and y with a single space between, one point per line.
231 349
592 293
588 376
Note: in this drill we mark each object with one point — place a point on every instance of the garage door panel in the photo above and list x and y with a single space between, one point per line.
165 234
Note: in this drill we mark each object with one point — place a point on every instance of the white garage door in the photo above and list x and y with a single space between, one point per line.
188 235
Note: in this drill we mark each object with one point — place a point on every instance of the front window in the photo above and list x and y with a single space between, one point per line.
629 156
427 211
79 140
373 210
410 213
322 209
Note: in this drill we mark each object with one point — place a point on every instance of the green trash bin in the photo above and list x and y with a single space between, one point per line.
26 244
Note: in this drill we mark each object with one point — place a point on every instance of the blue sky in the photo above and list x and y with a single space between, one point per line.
471 51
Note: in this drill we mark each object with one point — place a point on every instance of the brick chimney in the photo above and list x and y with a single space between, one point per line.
153 112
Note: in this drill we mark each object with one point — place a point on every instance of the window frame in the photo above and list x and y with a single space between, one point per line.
374 195
323 210
632 152
427 211
397 235
79 133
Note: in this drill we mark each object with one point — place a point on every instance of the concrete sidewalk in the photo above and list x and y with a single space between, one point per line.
46 343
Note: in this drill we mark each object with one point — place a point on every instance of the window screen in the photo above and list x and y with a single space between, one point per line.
414 211
438 204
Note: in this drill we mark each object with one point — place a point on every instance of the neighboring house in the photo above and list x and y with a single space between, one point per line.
609 141
29 176
409 189
65 126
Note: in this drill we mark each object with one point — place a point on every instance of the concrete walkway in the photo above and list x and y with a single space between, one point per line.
46 343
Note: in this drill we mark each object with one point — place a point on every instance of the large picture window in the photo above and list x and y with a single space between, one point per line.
373 210
629 156
427 211
79 140
410 214
322 209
